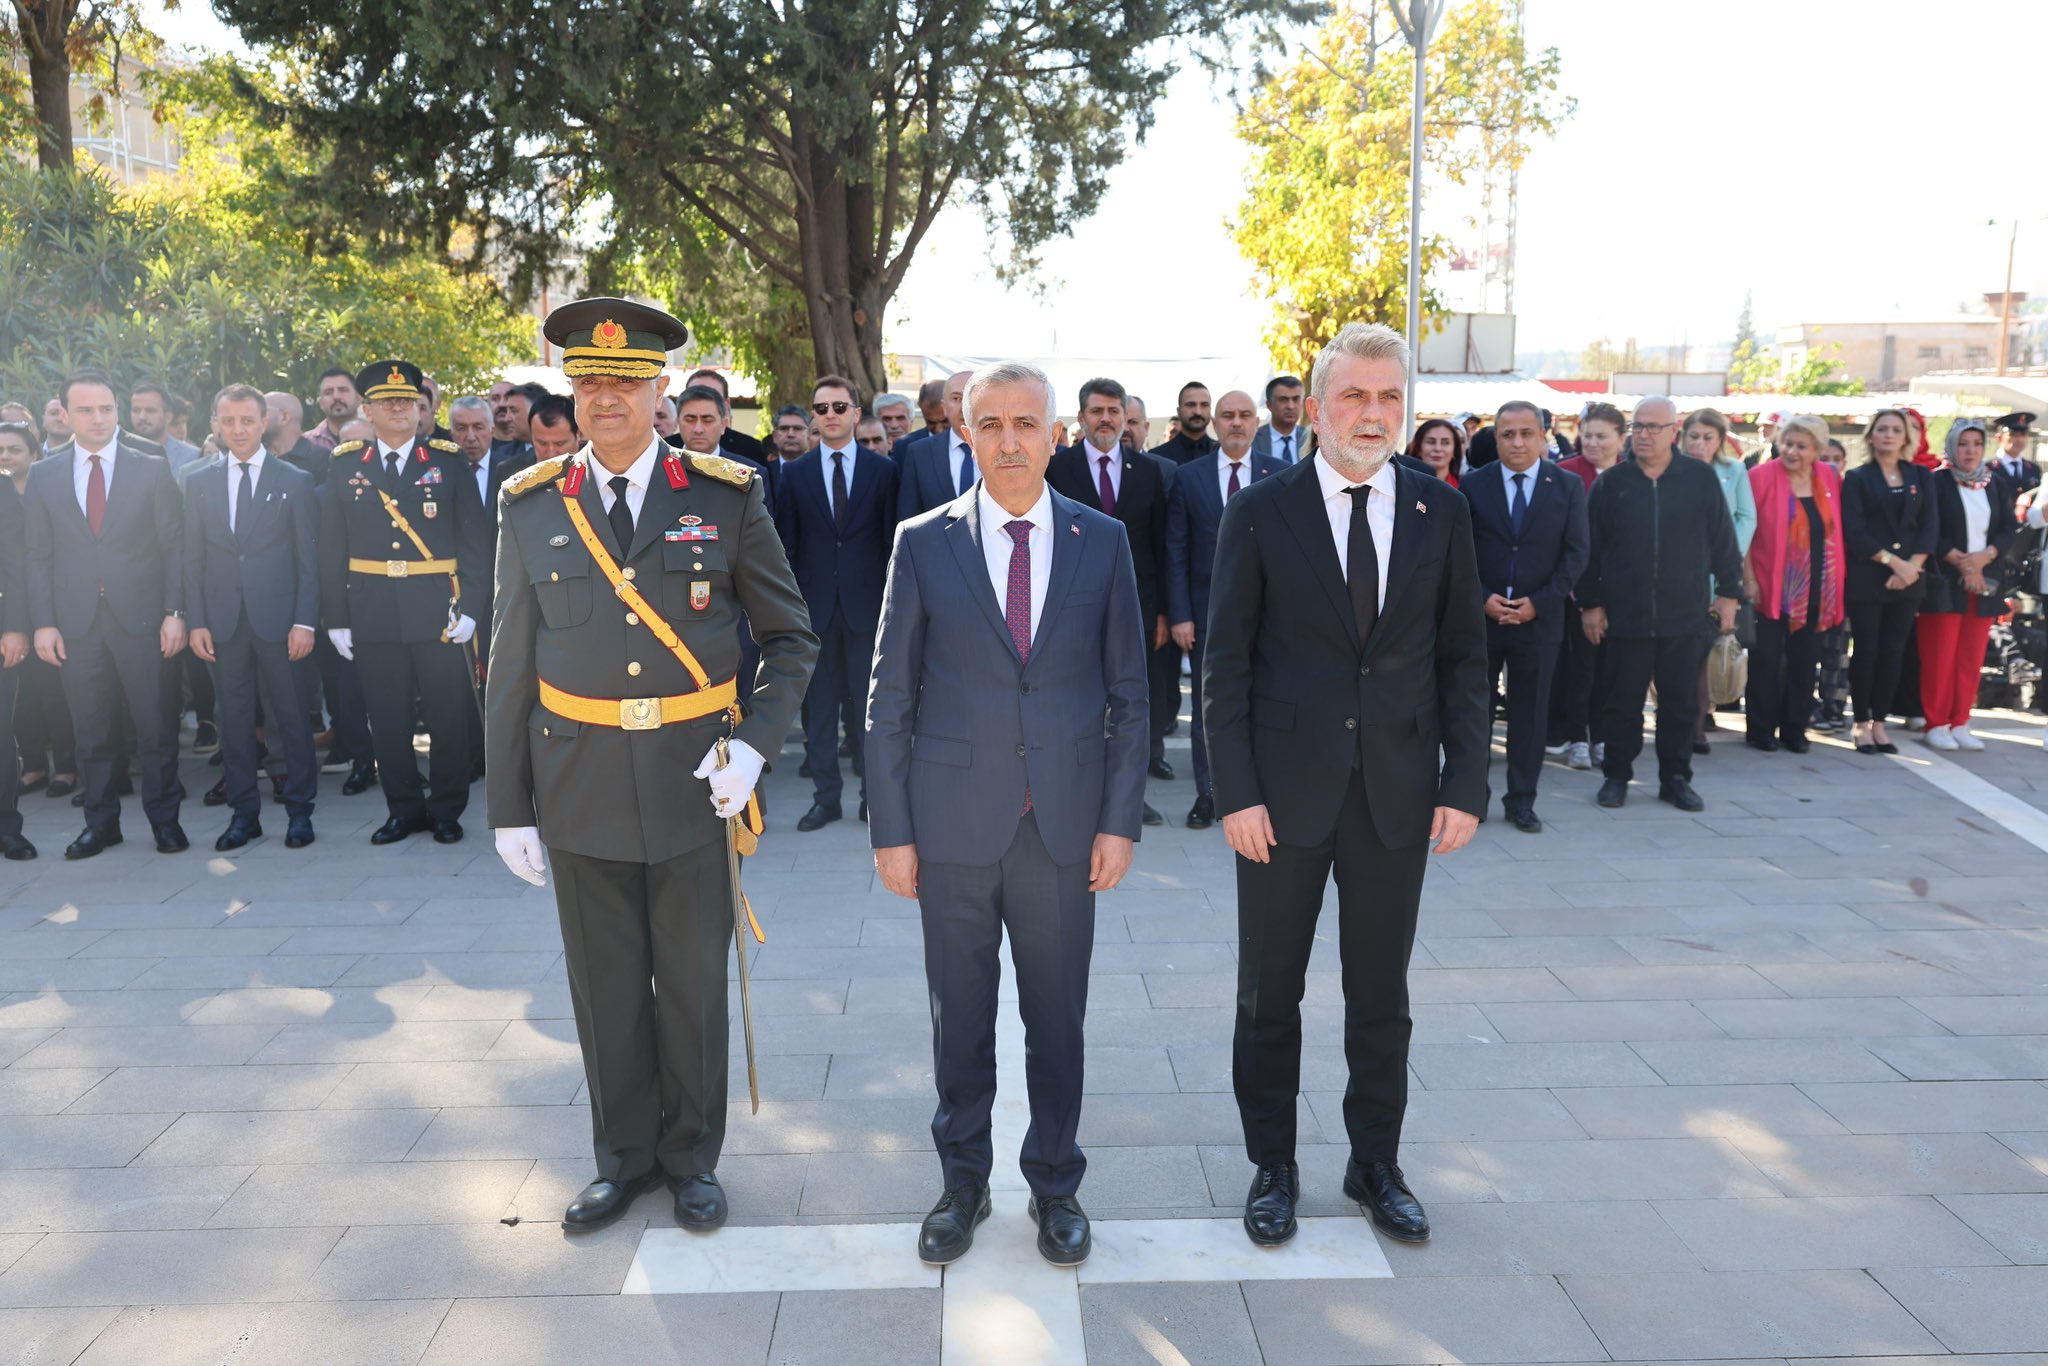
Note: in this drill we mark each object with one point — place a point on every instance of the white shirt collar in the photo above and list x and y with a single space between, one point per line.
255 461
637 473
1096 453
1507 478
994 516
81 454
1224 462
385 452
850 450
1333 484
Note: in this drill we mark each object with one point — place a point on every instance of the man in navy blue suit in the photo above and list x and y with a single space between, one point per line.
1007 729
836 510
1194 509
1529 534
939 466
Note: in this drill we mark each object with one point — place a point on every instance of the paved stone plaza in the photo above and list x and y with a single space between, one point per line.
1763 1083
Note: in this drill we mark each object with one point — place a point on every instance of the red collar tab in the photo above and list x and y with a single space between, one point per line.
678 477
424 457
572 482
369 455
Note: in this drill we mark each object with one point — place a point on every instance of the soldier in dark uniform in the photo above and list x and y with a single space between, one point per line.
403 557
622 571
2016 450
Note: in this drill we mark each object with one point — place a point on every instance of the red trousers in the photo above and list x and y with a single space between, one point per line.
1951 653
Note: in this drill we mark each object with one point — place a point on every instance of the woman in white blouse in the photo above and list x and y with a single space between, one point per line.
1975 502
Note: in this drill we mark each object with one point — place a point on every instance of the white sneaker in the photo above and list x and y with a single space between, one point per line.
1916 723
1938 737
1582 753
1558 751
1964 740
1599 752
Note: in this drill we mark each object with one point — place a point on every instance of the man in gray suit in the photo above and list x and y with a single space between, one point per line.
1282 438
1007 727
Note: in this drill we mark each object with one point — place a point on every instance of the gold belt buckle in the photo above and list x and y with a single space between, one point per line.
640 713
394 569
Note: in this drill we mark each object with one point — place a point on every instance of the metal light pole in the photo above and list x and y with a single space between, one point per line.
2005 299
1418 21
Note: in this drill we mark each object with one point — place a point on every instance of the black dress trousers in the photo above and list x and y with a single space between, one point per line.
393 674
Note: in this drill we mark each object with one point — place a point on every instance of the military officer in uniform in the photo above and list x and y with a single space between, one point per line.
622 571
403 555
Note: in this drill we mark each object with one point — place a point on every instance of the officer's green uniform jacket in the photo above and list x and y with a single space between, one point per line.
378 608
700 555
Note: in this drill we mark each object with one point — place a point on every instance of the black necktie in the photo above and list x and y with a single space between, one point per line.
391 459
1519 509
839 489
1287 449
244 497
621 516
1362 565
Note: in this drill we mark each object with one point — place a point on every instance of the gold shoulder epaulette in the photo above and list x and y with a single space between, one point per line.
535 475
442 445
724 470
349 447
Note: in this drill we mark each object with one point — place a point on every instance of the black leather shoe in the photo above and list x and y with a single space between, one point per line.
1063 1237
90 843
217 795
16 848
863 810
700 1201
170 838
948 1231
398 827
299 833
1701 747
1767 743
1525 820
819 816
1613 793
599 1204
1152 816
61 787
1796 744
78 798
238 833
205 738
447 832
1269 1208
1679 793
1161 770
1382 1192
361 778
1202 814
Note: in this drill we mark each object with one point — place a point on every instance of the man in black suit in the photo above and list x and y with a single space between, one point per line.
837 516
1192 442
551 429
469 421
938 466
1529 531
1194 510
703 425
14 628
106 593
252 595
893 412
732 441
1100 472
1345 690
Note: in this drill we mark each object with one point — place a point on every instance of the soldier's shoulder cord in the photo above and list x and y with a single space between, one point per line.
724 470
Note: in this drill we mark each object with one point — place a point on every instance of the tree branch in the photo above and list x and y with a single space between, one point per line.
731 229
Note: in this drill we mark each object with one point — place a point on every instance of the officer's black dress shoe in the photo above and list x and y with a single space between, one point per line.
1063 1237
1161 770
217 795
1525 820
1152 816
61 787
1679 793
700 1201
16 847
299 833
819 816
170 838
91 842
361 778
1767 743
1796 744
1269 1209
238 833
1383 1193
398 827
1202 814
948 1231
1702 747
599 1204
447 832
1613 792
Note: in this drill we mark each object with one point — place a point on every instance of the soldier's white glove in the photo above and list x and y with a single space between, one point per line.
344 642
461 631
520 847
731 785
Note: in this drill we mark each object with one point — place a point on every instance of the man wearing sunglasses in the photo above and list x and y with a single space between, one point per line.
836 507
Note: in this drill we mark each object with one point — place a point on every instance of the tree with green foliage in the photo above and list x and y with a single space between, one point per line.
1324 216
1745 323
52 41
1752 372
818 142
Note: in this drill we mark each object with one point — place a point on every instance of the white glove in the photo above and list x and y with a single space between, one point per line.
461 631
731 785
344 642
520 847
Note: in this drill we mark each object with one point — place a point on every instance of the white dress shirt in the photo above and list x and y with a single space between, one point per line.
637 475
1507 482
1244 473
996 545
1379 515
1976 516
81 469
1116 468
1288 452
255 463
825 454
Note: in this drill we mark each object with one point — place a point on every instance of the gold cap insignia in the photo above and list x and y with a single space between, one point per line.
609 335
397 378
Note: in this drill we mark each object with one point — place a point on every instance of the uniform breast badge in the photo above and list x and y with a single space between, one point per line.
700 594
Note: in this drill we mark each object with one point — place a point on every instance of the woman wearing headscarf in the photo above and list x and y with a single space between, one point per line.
1975 504
1797 562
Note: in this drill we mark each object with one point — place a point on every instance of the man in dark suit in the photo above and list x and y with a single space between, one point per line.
1101 472
893 412
1006 741
1192 441
484 473
703 425
1283 438
938 466
1194 510
14 629
107 596
733 441
1345 689
1529 532
837 516
252 596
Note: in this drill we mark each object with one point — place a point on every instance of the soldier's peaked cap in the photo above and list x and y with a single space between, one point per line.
606 336
391 379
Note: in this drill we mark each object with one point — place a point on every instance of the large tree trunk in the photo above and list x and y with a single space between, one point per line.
49 75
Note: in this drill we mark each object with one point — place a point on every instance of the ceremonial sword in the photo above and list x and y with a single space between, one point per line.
736 834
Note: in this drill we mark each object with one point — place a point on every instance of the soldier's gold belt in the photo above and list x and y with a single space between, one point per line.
400 569
639 713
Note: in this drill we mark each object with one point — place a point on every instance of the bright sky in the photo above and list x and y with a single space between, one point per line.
1752 136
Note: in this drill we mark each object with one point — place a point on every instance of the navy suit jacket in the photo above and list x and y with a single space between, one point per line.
1194 509
839 573
1543 562
931 475
959 724
135 561
272 571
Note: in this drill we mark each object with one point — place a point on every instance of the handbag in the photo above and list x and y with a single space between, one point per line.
1727 670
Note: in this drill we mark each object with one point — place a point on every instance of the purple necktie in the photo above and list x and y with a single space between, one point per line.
1231 492
1107 491
1017 603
